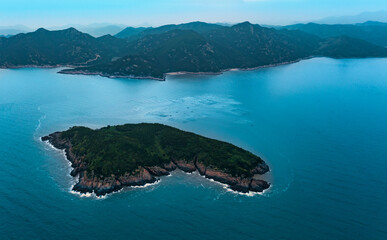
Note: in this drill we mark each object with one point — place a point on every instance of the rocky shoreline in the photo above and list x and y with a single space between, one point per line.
82 72
72 71
89 183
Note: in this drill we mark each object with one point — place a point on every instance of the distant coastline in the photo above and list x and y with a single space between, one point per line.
39 66
70 71
80 72
194 48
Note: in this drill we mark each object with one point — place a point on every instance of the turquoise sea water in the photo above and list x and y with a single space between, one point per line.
321 125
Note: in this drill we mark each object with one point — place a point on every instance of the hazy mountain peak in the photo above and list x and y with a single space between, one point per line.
135 33
246 23
247 27
372 23
107 36
71 30
40 30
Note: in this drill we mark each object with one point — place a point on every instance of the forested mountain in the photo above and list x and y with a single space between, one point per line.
192 47
136 33
64 47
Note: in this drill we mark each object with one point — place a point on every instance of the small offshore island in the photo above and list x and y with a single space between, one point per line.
113 157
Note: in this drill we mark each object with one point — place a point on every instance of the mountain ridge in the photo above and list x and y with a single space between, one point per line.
215 49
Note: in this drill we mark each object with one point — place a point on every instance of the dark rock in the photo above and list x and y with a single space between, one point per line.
200 167
185 166
106 186
138 179
242 185
257 185
158 171
85 184
89 183
221 177
170 166
262 168
45 138
76 162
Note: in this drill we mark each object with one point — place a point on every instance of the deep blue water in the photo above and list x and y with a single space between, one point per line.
321 124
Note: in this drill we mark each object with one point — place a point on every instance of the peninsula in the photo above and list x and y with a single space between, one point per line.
113 157
195 47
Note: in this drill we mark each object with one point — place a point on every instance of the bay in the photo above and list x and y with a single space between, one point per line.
320 124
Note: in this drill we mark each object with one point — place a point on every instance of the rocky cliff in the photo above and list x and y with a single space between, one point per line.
89 182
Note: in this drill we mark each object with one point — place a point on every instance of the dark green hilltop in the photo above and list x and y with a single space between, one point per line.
120 149
195 47
136 33
112 157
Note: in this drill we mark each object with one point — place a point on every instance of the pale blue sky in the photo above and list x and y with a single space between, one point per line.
47 13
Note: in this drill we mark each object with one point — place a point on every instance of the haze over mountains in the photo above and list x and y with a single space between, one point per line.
100 29
377 16
95 29
374 32
13 30
136 33
190 47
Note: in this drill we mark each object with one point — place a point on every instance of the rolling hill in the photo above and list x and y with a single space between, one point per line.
244 45
193 47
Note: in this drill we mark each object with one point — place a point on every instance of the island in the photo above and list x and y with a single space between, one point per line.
113 157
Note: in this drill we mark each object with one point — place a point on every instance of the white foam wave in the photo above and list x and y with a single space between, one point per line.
147 184
57 149
228 188
93 195
40 122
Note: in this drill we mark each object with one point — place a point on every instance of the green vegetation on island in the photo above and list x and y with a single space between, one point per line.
120 149
134 154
